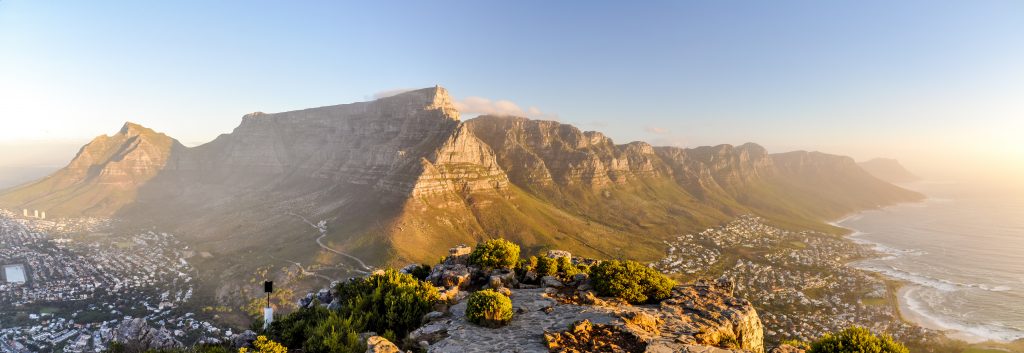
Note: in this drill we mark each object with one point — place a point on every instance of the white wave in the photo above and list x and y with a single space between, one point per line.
931 282
984 331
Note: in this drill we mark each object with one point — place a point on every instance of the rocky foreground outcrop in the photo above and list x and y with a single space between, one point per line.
700 317
695 318
136 334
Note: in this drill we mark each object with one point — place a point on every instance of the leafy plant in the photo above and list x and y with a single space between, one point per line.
295 329
856 340
546 266
495 253
335 334
525 265
264 345
566 268
388 301
489 308
421 272
631 281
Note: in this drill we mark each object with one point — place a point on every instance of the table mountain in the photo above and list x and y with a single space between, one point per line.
403 179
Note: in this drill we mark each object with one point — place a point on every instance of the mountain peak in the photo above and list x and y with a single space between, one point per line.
133 129
432 98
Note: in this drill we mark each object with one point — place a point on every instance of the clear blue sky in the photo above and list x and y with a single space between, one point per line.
910 79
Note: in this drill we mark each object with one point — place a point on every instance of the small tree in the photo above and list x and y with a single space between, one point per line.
525 265
546 266
856 340
495 253
489 308
631 281
387 301
566 267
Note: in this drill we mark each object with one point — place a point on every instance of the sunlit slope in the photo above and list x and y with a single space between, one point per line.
403 179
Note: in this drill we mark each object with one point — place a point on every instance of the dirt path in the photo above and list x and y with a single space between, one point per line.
322 228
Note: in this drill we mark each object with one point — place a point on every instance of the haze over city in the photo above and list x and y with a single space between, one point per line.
936 85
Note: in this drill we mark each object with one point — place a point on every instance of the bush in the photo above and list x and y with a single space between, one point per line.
856 340
546 266
495 253
631 281
524 266
391 303
387 301
421 272
335 334
264 345
566 267
295 329
489 308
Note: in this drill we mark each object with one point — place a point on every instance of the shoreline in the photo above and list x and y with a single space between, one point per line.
902 289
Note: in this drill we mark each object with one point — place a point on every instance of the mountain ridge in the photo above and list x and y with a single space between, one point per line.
403 178
889 170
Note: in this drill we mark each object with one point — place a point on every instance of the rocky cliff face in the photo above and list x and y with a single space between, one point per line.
402 178
537 152
402 144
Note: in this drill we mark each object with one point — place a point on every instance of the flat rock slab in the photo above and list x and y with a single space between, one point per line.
526 331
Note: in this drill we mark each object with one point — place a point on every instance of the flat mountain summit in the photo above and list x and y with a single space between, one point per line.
403 179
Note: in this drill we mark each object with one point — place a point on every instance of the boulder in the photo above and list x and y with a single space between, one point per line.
502 278
551 282
641 323
243 339
433 315
324 296
137 334
446 276
306 301
556 254
378 344
409 268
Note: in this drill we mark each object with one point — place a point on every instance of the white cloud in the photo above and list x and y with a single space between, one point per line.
391 92
473 105
483 106
656 130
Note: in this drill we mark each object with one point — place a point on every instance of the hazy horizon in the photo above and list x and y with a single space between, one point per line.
935 85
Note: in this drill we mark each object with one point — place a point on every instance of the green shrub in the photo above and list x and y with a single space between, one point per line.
546 266
631 281
489 308
495 253
388 301
335 334
524 266
566 267
294 329
856 340
421 272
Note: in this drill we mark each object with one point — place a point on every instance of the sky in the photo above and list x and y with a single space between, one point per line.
936 84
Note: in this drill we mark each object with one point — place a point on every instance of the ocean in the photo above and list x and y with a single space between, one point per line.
962 254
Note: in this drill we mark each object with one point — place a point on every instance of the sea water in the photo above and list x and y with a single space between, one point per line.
962 254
